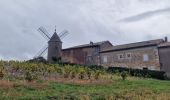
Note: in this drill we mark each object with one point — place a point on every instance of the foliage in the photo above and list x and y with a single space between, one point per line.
67 71
81 73
73 74
29 77
97 75
89 73
138 72
124 75
1 74
40 72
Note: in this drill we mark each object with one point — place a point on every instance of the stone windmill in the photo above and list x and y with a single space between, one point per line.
54 46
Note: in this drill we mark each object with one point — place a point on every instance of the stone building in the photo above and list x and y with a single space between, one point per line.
164 54
151 55
87 54
54 48
140 55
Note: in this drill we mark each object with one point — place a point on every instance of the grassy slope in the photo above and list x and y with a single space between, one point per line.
129 89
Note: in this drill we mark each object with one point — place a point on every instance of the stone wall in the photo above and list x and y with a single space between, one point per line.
85 55
165 60
138 58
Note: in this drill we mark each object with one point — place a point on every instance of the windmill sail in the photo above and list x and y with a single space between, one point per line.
42 52
44 33
52 46
63 34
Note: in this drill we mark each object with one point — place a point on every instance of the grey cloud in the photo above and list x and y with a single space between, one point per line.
86 20
145 15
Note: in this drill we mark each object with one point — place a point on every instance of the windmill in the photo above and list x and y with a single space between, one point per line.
54 46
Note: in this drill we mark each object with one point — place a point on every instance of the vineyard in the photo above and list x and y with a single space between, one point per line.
14 70
25 80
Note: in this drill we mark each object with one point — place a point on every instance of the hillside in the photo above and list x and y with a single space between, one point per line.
25 81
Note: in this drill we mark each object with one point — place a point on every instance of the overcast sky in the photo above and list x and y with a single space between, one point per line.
119 21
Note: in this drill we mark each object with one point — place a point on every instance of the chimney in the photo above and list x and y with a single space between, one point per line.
91 42
166 39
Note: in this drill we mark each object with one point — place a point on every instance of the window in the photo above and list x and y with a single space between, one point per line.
120 56
97 49
145 57
128 55
105 59
89 58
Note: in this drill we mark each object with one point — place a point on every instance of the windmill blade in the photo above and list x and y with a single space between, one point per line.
42 28
42 52
63 34
44 33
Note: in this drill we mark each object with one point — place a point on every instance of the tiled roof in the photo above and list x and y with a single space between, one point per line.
166 44
91 44
135 45
55 38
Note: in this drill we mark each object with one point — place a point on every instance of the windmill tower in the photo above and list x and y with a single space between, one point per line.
54 46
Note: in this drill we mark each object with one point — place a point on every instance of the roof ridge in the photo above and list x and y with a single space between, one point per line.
139 42
135 45
55 37
86 45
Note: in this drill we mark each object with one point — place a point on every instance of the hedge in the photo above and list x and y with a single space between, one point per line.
133 72
139 72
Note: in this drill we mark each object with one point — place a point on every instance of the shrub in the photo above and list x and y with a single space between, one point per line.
89 74
59 70
139 72
73 74
124 75
97 75
28 76
81 73
1 74
67 71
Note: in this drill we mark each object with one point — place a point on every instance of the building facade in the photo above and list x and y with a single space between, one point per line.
151 55
87 54
140 55
164 53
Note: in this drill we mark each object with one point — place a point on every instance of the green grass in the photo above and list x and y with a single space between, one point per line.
128 89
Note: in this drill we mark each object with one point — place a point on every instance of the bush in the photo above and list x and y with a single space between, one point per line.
67 71
89 74
81 75
97 75
28 77
1 74
73 74
138 72
124 75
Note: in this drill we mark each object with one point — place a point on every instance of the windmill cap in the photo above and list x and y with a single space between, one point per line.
55 38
